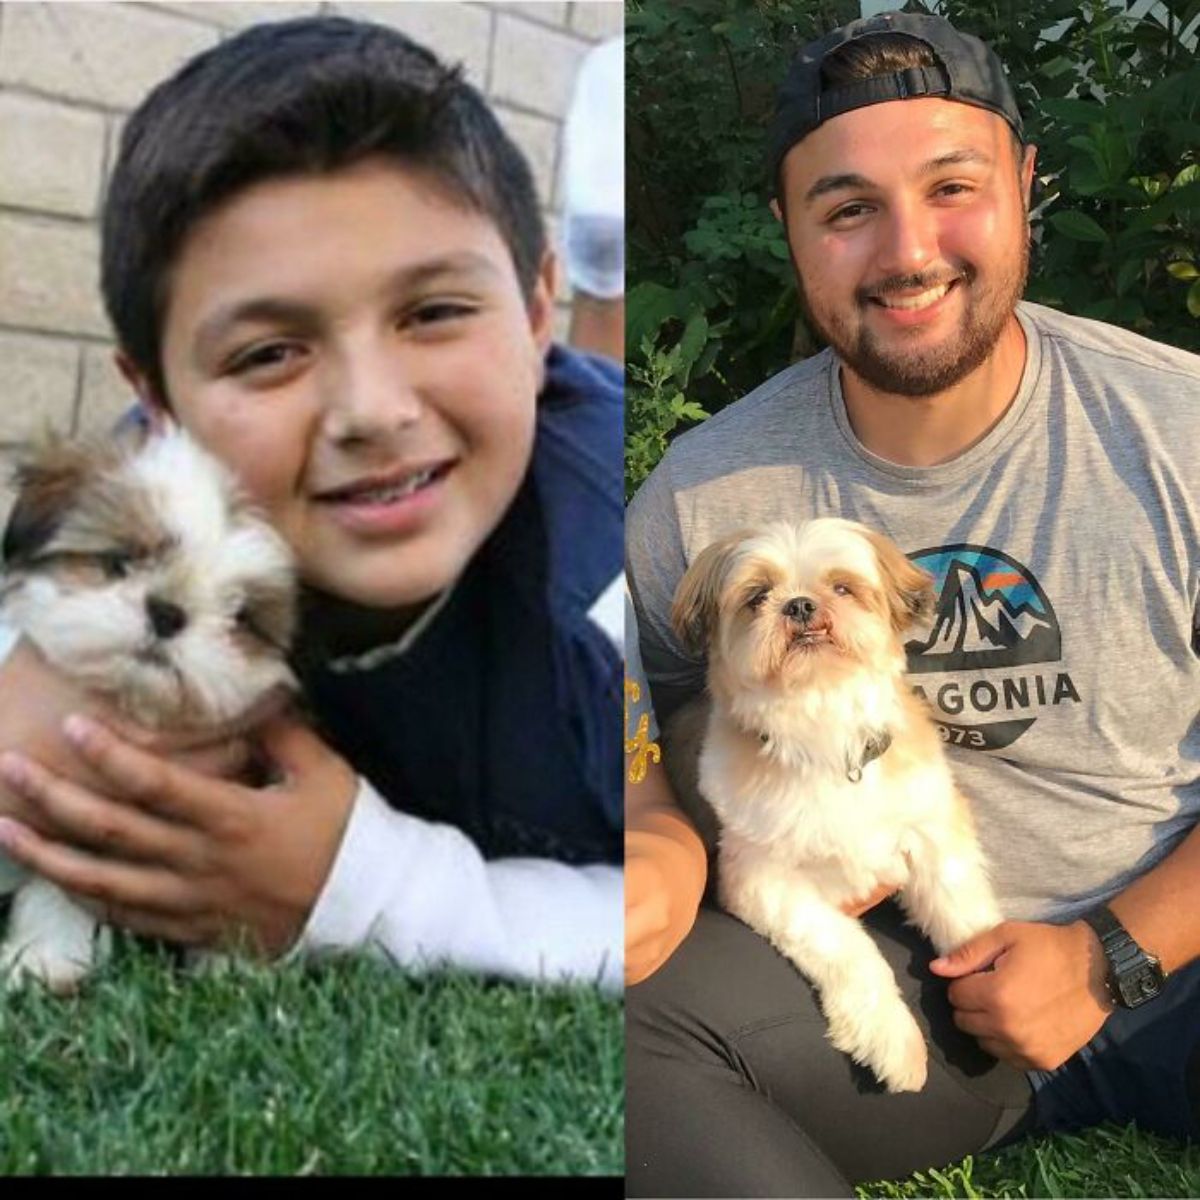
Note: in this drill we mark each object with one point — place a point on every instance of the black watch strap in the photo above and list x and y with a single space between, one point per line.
1134 977
1104 921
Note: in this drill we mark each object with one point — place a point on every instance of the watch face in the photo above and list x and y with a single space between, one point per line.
1140 985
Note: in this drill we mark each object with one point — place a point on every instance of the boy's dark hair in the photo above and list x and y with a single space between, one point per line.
295 98
885 54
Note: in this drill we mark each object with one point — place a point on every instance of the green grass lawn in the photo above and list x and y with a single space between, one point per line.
349 1067
1107 1161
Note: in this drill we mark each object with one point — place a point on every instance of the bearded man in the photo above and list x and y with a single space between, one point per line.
1045 470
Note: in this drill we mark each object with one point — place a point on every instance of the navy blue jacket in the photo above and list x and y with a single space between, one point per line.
504 717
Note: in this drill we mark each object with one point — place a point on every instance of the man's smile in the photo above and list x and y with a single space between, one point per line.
907 309
910 301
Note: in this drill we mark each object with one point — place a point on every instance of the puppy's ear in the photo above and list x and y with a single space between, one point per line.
909 589
697 599
48 479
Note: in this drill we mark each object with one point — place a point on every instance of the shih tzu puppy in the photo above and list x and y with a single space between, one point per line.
144 575
825 773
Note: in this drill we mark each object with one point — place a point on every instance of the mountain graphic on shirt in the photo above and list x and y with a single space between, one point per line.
990 613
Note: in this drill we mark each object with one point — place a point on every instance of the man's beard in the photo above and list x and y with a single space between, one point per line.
925 372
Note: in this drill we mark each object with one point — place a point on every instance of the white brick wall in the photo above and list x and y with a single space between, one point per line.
533 66
69 74
458 33
52 156
48 270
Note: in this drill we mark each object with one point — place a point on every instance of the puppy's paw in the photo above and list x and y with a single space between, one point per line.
51 939
58 970
904 1064
209 964
888 1040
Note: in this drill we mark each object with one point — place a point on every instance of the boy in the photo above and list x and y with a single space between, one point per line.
324 258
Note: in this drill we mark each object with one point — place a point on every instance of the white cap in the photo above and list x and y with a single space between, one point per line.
594 175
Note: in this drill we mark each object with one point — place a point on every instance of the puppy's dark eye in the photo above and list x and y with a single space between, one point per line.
842 589
758 599
247 620
116 564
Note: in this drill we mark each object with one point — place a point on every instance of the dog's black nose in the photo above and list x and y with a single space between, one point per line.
166 619
800 608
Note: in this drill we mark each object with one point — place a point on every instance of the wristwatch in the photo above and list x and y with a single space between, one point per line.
1134 977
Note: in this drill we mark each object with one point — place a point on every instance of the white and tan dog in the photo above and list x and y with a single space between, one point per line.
825 772
145 575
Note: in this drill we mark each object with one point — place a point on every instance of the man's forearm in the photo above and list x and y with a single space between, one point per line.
674 842
1161 910
654 818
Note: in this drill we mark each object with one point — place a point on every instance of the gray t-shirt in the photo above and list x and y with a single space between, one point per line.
1063 661
637 696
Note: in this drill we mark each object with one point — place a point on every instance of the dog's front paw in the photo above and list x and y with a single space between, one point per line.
61 972
59 966
51 939
887 1039
903 1065
208 964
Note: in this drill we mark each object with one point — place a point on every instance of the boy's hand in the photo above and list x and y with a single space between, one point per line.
35 699
1042 1000
182 856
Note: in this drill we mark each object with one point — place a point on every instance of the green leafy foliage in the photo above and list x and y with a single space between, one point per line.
1118 158
655 400
1111 101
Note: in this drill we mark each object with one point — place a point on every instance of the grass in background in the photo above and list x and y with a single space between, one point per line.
1106 1161
350 1067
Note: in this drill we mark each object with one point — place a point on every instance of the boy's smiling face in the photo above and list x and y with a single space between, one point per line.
358 350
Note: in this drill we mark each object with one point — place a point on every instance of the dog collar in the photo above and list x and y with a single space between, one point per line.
877 746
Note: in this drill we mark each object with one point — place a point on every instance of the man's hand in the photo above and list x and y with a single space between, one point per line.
177 854
1043 998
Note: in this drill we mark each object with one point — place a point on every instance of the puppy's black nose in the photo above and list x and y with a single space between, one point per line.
166 619
800 608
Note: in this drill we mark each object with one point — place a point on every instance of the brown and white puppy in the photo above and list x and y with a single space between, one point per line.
825 773
143 574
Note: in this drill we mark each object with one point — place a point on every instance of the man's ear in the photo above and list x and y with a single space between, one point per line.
1028 167
541 301
776 211
152 403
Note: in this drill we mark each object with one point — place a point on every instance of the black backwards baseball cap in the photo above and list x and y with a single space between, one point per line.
966 70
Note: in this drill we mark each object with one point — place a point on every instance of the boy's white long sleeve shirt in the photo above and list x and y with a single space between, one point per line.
422 895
